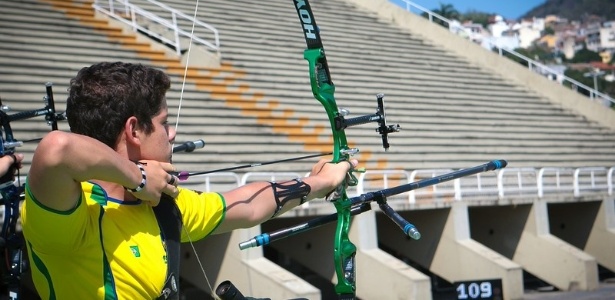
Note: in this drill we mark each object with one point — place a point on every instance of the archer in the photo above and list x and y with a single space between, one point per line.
117 213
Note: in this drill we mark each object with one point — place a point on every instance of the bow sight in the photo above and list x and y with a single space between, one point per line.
11 241
379 117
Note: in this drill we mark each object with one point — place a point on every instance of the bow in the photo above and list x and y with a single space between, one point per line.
11 243
323 90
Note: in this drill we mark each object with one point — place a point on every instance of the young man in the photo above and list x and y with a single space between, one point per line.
88 216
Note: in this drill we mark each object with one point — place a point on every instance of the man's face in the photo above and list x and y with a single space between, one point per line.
158 144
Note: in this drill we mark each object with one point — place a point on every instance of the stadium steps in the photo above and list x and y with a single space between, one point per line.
452 112
40 44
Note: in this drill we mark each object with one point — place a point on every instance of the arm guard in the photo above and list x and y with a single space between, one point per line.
284 192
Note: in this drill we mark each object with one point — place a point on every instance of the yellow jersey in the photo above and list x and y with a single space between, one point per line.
105 248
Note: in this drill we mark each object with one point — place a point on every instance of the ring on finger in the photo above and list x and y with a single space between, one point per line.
172 180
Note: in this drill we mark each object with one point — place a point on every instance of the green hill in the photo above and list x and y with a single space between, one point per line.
574 9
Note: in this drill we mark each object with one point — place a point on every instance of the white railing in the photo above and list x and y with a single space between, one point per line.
532 64
141 20
268 176
506 183
592 179
555 180
479 185
517 181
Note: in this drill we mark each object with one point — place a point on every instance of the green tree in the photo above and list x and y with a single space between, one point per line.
477 17
580 77
585 55
534 53
447 11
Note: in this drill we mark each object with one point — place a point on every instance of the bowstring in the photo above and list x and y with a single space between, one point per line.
181 97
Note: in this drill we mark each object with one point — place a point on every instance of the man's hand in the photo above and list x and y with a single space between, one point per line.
158 181
9 160
335 173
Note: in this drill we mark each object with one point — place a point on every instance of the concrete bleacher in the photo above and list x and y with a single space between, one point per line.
455 113
452 113
37 50
257 106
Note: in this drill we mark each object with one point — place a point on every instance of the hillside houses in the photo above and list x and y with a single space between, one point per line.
556 34
583 49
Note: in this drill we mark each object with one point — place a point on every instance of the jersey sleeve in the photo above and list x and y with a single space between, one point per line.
201 212
59 231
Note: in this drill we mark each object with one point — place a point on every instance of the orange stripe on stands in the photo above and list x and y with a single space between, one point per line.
222 85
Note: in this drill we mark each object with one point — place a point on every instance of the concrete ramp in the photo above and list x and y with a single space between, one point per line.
459 258
551 259
601 240
587 225
447 250
379 274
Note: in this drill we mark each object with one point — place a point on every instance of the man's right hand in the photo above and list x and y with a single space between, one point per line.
158 181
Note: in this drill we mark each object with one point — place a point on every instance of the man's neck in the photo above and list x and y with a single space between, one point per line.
115 191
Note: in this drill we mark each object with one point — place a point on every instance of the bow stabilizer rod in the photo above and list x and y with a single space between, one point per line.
266 238
358 206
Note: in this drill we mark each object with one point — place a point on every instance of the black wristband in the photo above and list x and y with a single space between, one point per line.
143 180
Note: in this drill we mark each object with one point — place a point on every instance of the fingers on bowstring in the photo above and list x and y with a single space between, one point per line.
173 191
172 180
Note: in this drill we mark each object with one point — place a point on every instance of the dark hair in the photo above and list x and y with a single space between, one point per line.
103 96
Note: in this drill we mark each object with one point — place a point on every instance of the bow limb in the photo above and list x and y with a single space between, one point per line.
323 90
344 249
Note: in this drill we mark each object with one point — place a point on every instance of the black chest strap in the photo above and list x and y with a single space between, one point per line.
170 222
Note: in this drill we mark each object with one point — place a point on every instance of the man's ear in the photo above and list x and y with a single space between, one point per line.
132 131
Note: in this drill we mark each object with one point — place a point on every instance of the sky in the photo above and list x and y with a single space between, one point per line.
509 9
